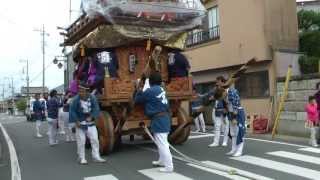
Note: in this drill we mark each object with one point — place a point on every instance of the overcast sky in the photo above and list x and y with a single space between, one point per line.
18 21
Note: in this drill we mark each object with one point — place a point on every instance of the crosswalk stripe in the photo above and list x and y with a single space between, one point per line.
103 177
156 175
296 156
227 175
200 136
278 166
310 149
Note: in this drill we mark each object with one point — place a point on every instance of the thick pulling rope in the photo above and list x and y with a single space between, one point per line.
190 160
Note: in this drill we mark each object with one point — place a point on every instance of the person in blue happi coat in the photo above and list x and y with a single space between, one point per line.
156 107
53 106
220 118
197 111
236 116
38 112
84 111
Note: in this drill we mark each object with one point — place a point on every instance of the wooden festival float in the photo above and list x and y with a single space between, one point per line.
141 34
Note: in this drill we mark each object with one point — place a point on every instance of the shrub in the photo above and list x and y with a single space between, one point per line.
309 64
22 105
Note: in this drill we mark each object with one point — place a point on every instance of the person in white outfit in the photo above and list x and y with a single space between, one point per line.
53 111
197 112
221 121
64 117
84 110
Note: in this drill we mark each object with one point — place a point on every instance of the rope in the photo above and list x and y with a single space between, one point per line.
190 160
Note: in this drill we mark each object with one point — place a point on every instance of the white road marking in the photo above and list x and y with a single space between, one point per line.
277 142
310 149
296 156
15 168
278 166
156 175
200 136
254 139
103 177
227 175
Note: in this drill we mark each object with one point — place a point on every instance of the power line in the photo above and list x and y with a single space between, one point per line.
39 74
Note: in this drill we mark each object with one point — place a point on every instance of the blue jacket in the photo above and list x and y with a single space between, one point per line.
179 67
236 112
220 108
38 108
155 101
76 113
53 108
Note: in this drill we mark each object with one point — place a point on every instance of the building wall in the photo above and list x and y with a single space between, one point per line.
284 60
241 36
248 28
281 24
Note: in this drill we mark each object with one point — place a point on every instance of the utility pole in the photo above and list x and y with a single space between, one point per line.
12 88
27 78
43 33
70 11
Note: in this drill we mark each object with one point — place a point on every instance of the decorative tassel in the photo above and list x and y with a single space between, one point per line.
148 45
82 51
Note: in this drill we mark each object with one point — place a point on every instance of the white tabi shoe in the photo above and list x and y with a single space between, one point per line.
53 144
238 151
166 170
83 161
99 160
157 163
39 135
213 145
224 144
231 152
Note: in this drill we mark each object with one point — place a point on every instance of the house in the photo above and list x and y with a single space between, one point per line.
234 32
313 5
33 91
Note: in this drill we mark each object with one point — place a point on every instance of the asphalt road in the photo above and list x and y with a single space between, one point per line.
262 159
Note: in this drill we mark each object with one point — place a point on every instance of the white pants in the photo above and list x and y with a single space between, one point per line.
199 121
61 122
234 130
313 135
52 129
64 118
38 125
221 122
165 157
92 134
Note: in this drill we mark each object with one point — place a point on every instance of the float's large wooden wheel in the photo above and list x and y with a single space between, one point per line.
106 133
181 132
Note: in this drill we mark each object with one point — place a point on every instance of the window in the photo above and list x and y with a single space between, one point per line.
210 29
213 21
253 85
